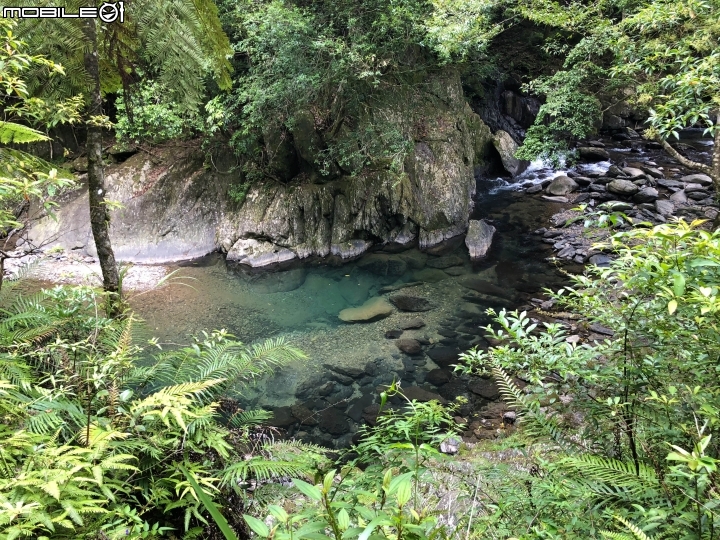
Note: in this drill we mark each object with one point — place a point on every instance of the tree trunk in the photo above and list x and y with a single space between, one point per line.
99 216
715 166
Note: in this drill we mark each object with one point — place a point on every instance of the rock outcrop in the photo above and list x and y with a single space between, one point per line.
170 210
479 238
175 207
506 147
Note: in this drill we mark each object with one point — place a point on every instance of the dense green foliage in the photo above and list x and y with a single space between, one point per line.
93 440
156 117
630 423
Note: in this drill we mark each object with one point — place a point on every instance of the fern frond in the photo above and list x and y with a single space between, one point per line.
637 533
261 469
612 476
11 133
537 424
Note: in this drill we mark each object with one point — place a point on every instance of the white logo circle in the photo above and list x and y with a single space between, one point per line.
109 13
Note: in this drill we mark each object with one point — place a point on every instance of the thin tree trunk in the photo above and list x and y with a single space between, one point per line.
99 216
690 164
715 173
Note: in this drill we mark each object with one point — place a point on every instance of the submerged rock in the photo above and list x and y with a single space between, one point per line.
420 394
383 265
410 303
479 238
409 346
445 262
375 308
412 324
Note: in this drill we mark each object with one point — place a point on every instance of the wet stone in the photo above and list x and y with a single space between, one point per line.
393 334
485 388
411 324
303 415
600 259
326 389
456 271
355 412
371 368
409 346
350 371
410 303
444 356
444 262
333 421
282 417
420 394
438 376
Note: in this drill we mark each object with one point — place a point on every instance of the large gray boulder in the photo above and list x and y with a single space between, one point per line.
175 208
479 238
561 185
702 179
506 147
622 187
170 209
589 153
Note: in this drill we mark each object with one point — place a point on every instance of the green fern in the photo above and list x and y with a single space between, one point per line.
11 133
536 423
637 533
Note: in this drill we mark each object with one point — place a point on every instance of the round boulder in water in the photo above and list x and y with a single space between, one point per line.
409 346
562 185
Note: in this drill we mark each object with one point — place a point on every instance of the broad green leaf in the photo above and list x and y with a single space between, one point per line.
280 514
310 528
210 506
343 519
678 284
308 490
403 493
380 520
257 526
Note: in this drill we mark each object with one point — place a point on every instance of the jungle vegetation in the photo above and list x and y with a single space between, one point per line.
617 439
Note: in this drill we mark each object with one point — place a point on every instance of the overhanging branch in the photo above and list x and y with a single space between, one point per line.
689 163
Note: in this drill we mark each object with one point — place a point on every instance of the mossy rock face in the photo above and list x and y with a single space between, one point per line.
429 198
175 207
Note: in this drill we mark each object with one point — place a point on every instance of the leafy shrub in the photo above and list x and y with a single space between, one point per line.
608 413
152 117
94 443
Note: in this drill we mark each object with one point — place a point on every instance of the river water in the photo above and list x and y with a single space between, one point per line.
325 398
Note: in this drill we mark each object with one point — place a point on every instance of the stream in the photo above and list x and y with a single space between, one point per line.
325 398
